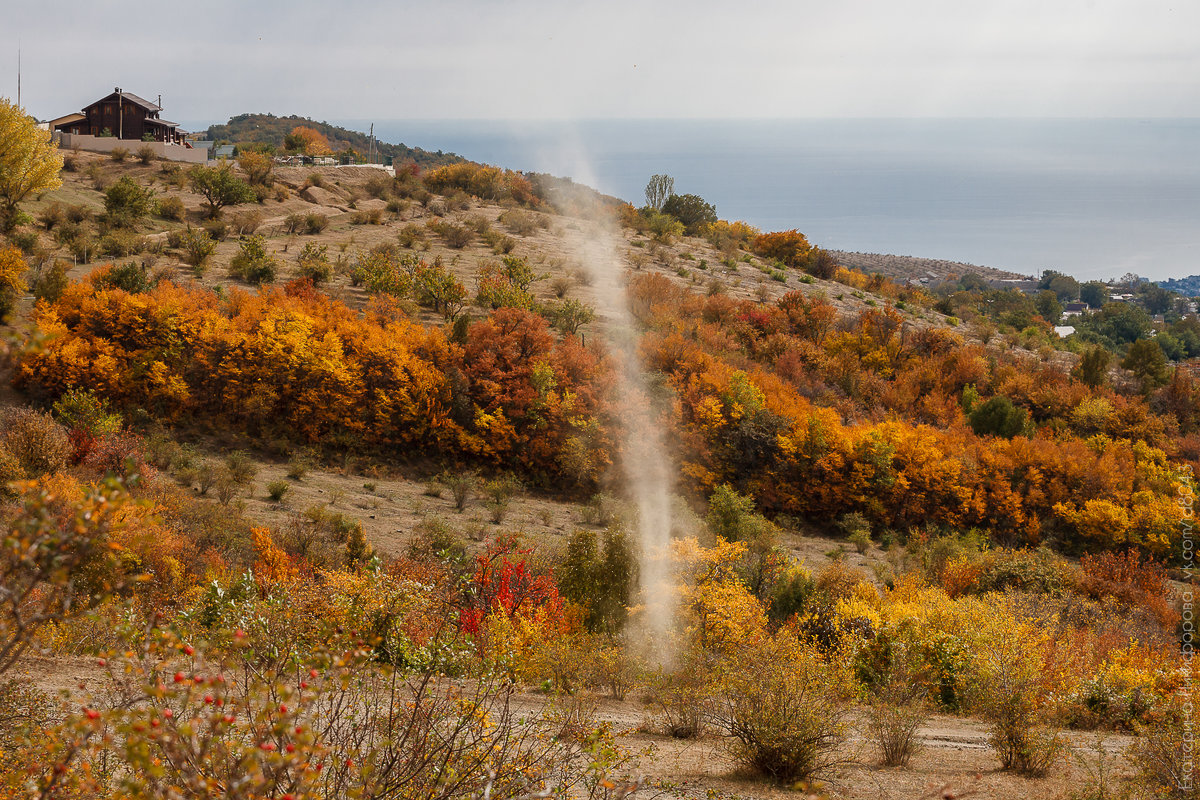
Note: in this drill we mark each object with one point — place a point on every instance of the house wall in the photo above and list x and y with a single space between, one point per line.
106 144
124 120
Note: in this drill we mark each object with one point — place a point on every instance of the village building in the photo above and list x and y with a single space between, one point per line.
119 118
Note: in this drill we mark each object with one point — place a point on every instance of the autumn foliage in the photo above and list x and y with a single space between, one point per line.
816 417
308 141
301 366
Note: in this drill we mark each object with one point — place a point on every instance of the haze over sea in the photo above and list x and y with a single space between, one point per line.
1093 198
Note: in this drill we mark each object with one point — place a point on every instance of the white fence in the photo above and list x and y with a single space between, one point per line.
106 144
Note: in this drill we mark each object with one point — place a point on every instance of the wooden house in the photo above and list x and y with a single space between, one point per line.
122 115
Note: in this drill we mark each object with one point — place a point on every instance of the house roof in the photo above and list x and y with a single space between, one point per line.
66 120
162 122
129 97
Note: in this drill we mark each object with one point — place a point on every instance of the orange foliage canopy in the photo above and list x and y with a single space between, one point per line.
299 365
790 247
311 141
817 417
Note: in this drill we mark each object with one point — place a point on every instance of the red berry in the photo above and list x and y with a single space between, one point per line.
267 746
180 677
312 673
168 713
229 718
208 698
291 748
188 649
303 684
92 713
239 634
101 662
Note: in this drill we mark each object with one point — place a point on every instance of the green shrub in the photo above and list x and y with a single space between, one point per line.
373 216
253 263
1010 696
121 242
315 222
126 202
247 222
218 229
118 154
456 237
781 712
145 154
170 207
498 493
313 263
240 467
277 489
1164 756
53 215
132 277
792 594
461 485
298 467
197 247
861 541
410 235
600 577
80 409
50 282
997 417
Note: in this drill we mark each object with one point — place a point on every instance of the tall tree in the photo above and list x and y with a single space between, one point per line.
1094 293
1093 367
1148 363
692 210
307 140
658 190
29 161
220 187
1048 306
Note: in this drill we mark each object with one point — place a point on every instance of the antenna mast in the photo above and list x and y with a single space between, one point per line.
18 74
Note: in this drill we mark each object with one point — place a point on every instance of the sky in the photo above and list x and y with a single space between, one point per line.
538 59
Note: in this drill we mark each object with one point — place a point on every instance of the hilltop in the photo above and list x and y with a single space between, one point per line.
1189 286
270 129
930 270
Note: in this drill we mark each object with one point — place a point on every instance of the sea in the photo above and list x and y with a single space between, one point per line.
1095 198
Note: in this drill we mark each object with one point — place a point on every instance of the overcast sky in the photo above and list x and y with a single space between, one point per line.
530 59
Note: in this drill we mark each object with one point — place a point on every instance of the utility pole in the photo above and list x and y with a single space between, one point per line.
18 73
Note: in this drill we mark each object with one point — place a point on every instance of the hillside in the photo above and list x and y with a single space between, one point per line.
270 129
1188 287
378 447
931 270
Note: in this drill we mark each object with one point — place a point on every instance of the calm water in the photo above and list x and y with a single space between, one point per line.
1095 198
